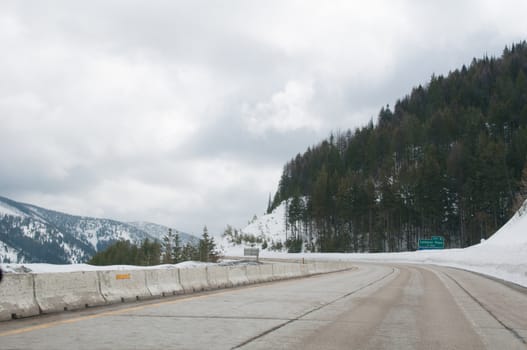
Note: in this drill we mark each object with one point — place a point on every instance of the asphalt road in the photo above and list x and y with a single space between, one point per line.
369 307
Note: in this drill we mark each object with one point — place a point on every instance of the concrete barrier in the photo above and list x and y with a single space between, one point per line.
322 267
304 270
23 295
294 270
218 277
122 286
284 271
163 282
55 292
266 272
311 269
259 273
253 274
193 279
280 271
16 297
238 275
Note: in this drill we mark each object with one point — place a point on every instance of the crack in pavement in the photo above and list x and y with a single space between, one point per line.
250 340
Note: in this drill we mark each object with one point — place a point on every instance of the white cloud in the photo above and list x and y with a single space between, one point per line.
184 112
287 110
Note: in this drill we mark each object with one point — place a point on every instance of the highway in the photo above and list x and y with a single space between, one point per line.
372 306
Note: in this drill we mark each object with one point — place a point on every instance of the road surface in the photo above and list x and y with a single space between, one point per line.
372 306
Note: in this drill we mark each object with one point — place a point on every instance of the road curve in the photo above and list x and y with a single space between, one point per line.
374 306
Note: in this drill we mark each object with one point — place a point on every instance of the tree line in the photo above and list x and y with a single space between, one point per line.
152 252
448 159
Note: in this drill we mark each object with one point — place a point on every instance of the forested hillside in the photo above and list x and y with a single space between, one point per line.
448 159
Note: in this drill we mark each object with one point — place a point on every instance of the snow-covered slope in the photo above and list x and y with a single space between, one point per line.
32 234
503 255
10 254
513 234
6 209
269 228
159 231
25 236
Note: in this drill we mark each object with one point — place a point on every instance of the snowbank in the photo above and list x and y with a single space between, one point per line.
503 255
503 264
52 268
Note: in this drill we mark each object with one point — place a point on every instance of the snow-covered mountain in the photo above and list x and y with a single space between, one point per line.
267 232
159 231
32 234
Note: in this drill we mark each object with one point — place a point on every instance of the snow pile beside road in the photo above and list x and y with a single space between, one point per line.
52 268
503 255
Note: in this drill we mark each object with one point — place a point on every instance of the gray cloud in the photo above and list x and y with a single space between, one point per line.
185 112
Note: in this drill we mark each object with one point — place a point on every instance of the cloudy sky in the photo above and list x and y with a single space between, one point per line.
183 113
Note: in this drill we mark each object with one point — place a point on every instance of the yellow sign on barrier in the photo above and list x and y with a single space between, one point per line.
124 276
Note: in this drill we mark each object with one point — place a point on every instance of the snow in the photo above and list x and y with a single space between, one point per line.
270 225
503 255
54 268
6 209
91 236
8 253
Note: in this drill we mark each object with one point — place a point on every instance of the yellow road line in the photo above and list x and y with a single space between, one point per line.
134 308
103 314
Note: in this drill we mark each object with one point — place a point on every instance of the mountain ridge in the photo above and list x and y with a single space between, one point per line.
29 233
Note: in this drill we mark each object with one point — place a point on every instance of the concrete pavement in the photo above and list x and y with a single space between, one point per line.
372 307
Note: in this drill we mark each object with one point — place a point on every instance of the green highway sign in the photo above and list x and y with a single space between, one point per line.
436 242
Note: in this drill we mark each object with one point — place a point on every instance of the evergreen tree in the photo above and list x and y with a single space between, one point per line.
126 253
449 159
207 247
177 250
168 241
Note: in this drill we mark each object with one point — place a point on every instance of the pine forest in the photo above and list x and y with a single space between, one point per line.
448 159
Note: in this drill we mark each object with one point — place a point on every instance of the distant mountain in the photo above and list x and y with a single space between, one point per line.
32 234
159 231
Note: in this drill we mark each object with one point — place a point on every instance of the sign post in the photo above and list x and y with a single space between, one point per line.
436 242
251 252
